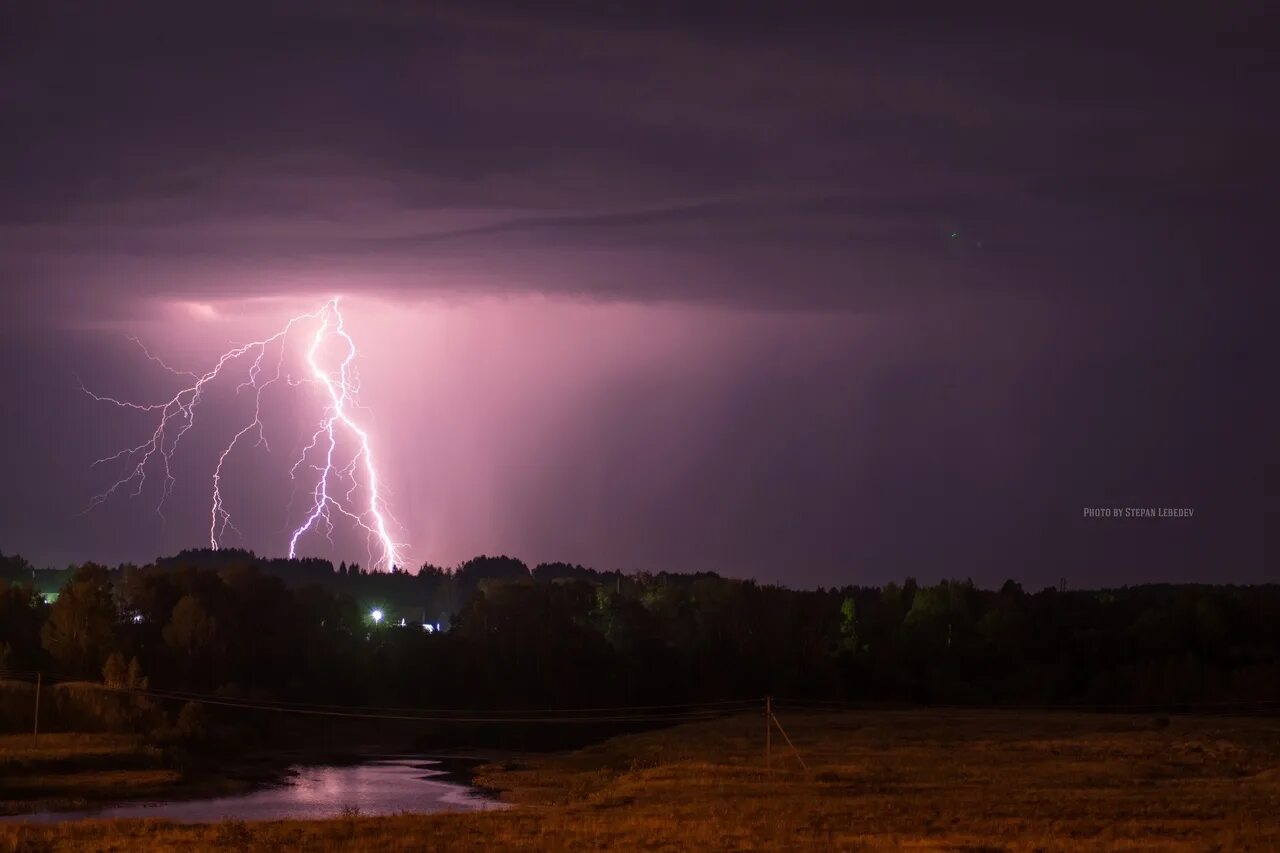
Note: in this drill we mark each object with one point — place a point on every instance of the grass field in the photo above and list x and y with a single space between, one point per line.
68 770
24 749
876 780
77 770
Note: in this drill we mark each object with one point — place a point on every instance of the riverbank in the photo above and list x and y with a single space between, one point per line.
77 772
70 771
875 780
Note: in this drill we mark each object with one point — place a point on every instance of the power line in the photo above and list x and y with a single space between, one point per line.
612 714
428 718
678 708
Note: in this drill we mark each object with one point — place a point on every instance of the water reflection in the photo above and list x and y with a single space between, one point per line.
388 786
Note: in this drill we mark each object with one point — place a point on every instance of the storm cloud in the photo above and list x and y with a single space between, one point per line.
810 295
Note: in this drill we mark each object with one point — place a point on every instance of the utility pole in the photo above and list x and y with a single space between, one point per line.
35 725
768 733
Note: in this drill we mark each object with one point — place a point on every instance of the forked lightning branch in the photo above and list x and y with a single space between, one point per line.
339 454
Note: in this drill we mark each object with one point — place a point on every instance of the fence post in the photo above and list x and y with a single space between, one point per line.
768 733
35 724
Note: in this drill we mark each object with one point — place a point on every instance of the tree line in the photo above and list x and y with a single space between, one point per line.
229 623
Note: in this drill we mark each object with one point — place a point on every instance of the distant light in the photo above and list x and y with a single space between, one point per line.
376 615
401 621
137 618
426 626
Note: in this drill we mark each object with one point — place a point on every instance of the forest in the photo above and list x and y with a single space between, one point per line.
493 633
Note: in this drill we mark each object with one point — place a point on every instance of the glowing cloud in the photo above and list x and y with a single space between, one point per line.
338 433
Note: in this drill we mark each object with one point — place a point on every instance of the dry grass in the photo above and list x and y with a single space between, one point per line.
71 770
90 784
877 780
57 746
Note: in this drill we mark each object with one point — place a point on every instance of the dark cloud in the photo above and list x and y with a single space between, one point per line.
266 131
1064 211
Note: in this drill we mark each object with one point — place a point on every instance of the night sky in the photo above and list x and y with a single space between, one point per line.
769 290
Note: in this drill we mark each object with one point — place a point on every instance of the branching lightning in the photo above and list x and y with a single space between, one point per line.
338 433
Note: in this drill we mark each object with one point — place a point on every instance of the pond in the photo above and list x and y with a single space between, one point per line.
376 787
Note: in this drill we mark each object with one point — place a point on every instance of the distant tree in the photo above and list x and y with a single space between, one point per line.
936 611
623 620
22 613
134 679
484 568
114 671
192 632
151 594
117 674
191 725
564 634
14 569
848 626
531 643
80 632
553 571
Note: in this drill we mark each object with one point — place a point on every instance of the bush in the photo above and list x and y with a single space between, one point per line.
86 706
191 725
189 731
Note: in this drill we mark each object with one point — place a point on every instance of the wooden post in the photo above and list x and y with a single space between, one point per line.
768 733
35 725
789 743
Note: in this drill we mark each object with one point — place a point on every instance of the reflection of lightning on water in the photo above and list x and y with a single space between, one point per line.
265 360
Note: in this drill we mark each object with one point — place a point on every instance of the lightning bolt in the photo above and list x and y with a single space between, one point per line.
338 433
340 391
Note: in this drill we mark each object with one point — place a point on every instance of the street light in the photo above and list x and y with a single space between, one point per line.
376 615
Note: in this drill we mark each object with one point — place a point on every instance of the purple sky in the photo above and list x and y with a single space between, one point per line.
809 297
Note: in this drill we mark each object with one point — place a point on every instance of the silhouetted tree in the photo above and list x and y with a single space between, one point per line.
192 633
80 631
565 634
